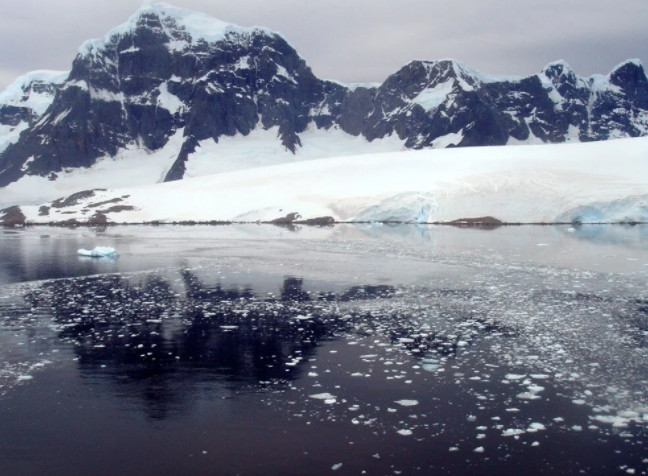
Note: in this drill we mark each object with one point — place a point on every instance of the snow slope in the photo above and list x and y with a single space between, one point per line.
582 182
134 167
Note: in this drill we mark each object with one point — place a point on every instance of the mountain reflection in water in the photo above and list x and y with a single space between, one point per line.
141 333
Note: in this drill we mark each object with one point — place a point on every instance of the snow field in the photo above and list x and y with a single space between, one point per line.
596 182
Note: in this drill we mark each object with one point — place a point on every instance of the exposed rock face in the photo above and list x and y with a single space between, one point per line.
168 70
12 216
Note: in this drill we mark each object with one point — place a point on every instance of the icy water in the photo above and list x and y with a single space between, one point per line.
345 350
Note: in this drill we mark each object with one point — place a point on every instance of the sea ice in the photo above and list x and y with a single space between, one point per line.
407 403
98 252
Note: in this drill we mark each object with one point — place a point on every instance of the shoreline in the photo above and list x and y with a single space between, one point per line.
317 223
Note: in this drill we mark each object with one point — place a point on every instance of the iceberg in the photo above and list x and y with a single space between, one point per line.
98 252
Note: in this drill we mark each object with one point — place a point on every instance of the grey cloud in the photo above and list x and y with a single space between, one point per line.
362 40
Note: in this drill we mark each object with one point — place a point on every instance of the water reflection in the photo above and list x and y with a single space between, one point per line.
38 253
149 339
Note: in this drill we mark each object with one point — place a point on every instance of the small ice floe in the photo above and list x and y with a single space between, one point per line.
540 376
98 252
512 432
535 426
431 365
617 421
328 398
514 376
479 449
404 432
407 403
336 466
532 393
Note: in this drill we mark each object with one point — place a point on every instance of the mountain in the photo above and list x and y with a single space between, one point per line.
160 98
25 101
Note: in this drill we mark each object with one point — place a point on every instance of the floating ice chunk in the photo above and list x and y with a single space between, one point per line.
514 376
407 403
614 420
328 398
405 432
527 396
302 317
322 396
512 432
479 449
431 367
336 466
98 252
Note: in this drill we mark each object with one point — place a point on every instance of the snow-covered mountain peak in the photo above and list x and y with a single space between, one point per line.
632 62
631 71
561 75
169 24
432 74
558 70
33 88
24 101
450 67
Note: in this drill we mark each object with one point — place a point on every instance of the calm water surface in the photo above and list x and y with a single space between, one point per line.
345 350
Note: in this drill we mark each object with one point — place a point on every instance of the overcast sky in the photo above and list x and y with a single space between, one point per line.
361 40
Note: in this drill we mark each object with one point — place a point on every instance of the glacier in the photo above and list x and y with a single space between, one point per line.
594 182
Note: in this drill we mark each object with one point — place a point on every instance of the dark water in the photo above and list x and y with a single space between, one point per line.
354 350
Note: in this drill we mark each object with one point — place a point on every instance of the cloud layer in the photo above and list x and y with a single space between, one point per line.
362 40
